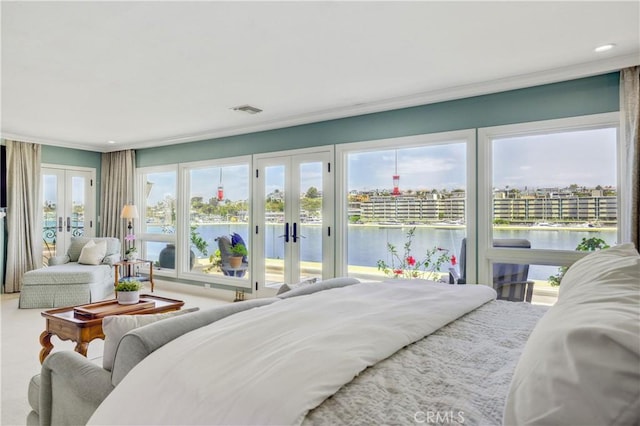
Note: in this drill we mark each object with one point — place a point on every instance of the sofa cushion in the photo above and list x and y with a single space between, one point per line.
69 273
116 326
581 364
92 253
58 260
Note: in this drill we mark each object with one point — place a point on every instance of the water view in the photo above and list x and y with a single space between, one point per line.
367 244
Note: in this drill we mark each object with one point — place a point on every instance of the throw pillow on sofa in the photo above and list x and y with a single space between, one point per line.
92 253
116 326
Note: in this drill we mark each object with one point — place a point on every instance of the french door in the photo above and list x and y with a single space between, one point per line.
68 207
293 219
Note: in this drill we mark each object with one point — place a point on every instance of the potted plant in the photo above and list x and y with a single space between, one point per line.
128 292
238 251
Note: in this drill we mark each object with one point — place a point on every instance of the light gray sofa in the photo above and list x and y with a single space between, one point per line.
70 387
65 282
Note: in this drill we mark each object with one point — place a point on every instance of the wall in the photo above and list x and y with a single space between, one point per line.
592 95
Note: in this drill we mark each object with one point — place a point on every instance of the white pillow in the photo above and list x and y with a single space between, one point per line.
92 253
608 264
116 326
581 364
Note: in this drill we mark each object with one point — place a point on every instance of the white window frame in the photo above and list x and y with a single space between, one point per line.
469 135
487 255
182 223
142 203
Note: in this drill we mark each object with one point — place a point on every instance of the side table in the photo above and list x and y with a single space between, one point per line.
128 266
68 324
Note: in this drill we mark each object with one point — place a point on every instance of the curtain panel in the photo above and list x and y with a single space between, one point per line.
117 188
24 212
630 117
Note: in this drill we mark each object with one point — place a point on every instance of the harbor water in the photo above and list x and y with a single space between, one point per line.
368 243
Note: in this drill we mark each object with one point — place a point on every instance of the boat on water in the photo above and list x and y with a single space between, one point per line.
546 225
586 225
390 224
458 222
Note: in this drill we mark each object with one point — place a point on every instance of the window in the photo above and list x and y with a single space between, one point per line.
159 216
553 184
217 206
395 185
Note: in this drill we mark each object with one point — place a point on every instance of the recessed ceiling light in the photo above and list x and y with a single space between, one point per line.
604 47
111 142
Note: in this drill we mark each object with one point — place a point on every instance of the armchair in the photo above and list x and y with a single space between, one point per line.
509 280
224 245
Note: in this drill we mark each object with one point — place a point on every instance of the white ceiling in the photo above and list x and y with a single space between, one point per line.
80 74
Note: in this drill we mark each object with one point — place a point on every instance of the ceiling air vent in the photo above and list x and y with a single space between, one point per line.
247 108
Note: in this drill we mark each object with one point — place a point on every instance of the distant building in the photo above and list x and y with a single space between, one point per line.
547 204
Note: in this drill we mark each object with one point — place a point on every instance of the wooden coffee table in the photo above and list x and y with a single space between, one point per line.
82 324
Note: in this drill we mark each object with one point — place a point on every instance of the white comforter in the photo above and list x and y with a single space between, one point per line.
273 364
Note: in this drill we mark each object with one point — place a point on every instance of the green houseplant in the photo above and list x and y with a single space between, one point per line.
238 251
587 244
128 292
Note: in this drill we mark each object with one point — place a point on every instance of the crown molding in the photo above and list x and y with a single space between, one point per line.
45 141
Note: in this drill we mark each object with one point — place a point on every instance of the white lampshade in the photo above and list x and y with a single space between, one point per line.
129 211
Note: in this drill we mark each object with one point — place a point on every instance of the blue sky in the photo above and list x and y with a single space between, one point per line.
585 158
439 167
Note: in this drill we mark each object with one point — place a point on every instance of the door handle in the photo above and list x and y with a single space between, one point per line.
286 233
59 223
295 233
68 224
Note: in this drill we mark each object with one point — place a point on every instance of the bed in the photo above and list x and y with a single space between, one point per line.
405 352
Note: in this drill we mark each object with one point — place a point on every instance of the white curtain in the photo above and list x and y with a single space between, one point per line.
630 118
117 187
24 212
